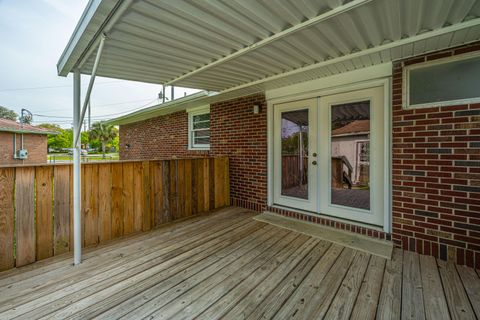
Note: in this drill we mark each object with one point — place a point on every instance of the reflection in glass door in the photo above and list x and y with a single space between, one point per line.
350 144
294 135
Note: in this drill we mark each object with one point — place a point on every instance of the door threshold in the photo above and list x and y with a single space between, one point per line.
381 248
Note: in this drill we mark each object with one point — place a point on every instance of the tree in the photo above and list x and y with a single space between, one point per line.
8 114
104 133
64 138
55 141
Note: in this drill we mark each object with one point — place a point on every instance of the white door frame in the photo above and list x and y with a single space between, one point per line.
384 81
374 215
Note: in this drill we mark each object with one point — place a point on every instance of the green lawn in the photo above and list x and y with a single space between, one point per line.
63 157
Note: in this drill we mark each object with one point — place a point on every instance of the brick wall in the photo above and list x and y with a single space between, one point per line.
236 132
436 175
242 136
36 144
157 138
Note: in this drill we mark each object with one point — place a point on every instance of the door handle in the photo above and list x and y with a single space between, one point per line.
314 162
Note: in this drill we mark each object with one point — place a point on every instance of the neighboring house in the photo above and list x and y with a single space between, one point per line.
22 143
352 141
410 74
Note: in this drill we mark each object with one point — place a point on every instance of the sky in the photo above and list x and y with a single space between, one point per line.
33 34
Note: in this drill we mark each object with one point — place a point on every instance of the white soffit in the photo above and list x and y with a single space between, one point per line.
244 46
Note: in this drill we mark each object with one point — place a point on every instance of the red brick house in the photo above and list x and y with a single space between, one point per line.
279 78
22 143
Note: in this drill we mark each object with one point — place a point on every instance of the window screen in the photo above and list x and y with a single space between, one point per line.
444 82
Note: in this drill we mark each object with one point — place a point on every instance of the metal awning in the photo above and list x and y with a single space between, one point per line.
249 45
240 47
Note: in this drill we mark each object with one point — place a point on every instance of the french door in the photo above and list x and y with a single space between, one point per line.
329 155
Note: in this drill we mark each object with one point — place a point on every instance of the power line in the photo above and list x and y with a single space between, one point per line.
106 104
98 117
51 87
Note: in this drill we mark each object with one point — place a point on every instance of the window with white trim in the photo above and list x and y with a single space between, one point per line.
443 82
199 128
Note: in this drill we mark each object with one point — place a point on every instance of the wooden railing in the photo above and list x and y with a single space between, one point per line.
120 198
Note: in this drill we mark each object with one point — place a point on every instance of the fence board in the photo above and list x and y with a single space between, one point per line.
24 196
206 184
61 185
104 202
128 219
90 207
157 192
199 185
180 194
188 187
7 182
138 191
117 198
173 194
147 198
44 177
166 192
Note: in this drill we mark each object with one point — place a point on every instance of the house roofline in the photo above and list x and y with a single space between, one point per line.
189 101
3 129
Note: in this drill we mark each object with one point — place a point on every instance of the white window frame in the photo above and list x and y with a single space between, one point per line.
191 113
406 83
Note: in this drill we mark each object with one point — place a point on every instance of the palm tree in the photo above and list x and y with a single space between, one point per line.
105 133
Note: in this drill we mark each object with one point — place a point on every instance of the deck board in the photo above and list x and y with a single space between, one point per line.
228 265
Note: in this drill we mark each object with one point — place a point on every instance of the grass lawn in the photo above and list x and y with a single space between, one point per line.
64 157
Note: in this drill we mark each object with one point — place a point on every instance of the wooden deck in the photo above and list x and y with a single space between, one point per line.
226 265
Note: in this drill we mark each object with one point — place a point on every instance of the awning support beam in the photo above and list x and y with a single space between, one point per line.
90 87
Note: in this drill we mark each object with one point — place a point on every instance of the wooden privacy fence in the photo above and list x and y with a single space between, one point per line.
291 174
36 202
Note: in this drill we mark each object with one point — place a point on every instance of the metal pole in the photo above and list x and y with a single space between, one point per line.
163 94
172 94
77 124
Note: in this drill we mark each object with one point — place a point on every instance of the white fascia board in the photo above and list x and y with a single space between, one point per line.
94 20
191 101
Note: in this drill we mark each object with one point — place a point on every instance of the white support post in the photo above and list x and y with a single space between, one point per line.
77 220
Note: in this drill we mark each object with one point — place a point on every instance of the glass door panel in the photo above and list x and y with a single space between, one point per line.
351 162
294 137
350 144
295 170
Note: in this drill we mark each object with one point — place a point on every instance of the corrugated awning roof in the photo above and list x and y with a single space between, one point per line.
13 126
246 46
